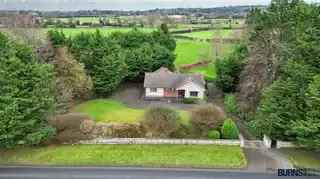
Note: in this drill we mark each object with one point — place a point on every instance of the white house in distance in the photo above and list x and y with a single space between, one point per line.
166 84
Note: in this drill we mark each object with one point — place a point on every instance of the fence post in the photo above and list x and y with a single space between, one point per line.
241 138
267 141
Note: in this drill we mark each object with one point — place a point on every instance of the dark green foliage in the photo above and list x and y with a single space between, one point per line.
110 59
103 59
229 68
26 96
164 28
214 134
308 130
164 39
289 107
108 74
57 38
160 121
283 103
229 130
230 104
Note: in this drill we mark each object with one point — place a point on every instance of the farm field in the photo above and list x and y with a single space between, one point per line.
189 52
192 51
226 33
107 110
200 156
94 20
105 31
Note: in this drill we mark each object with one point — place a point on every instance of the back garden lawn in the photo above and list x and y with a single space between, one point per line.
199 156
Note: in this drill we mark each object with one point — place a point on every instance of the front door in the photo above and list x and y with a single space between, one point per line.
181 93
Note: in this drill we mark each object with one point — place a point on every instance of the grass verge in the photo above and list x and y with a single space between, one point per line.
199 156
303 158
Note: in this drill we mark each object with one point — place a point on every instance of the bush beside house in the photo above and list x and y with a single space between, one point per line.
229 130
214 134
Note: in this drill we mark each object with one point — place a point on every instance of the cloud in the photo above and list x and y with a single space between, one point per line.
121 4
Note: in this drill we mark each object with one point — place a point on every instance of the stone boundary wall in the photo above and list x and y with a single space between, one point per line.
113 141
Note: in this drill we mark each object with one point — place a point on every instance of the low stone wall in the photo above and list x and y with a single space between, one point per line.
160 141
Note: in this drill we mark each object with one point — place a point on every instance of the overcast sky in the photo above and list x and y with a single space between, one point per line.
121 4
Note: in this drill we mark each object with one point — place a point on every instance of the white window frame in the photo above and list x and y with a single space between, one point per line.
194 92
153 90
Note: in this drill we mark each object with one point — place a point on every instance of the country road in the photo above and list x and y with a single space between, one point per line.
127 173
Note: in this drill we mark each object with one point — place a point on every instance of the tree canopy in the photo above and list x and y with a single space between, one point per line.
26 95
289 107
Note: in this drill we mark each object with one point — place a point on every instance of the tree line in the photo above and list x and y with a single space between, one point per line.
280 74
34 87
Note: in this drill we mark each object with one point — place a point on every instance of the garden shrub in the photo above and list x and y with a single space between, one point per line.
68 128
230 104
214 134
160 121
190 100
229 130
206 117
87 126
229 69
127 131
182 131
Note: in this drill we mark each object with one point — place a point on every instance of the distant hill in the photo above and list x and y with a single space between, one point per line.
229 11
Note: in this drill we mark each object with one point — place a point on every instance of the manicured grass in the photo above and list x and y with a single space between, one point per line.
226 33
111 111
200 156
106 110
303 158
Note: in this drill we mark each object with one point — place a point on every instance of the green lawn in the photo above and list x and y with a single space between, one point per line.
303 158
200 156
210 34
107 110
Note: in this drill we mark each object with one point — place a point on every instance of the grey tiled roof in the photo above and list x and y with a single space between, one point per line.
164 78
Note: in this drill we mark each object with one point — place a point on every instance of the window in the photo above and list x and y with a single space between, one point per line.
153 90
194 93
